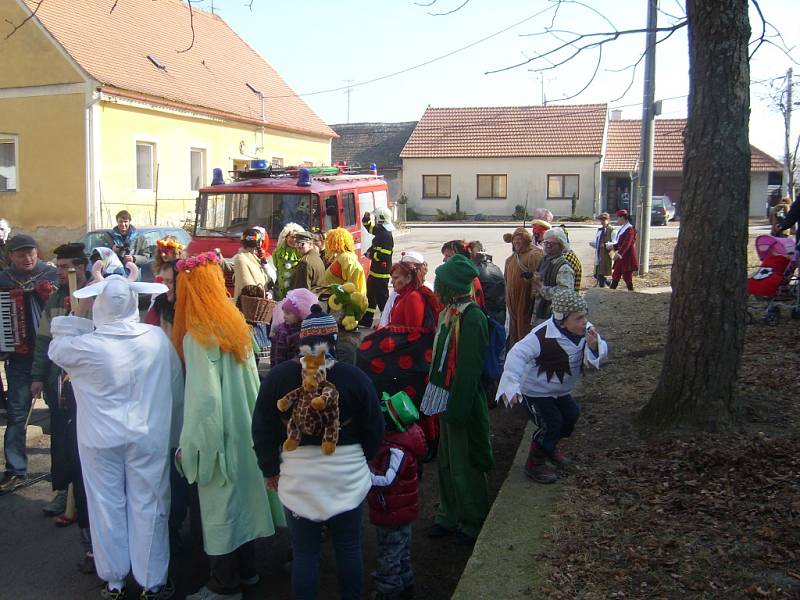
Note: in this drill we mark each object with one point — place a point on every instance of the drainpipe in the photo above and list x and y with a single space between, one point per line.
596 196
89 133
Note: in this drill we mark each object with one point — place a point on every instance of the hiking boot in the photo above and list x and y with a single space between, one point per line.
11 482
57 505
206 594
439 531
164 592
115 594
559 459
536 466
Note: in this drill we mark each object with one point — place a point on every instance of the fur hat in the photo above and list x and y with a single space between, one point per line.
566 301
518 232
559 235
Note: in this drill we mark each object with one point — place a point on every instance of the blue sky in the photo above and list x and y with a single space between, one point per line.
319 44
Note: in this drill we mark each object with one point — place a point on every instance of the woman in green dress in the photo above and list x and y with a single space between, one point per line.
216 446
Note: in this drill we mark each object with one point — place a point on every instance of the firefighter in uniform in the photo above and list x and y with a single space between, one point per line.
380 255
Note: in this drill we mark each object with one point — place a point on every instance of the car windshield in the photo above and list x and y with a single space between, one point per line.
231 214
661 202
97 239
146 241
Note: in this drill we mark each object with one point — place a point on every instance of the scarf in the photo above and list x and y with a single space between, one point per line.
618 233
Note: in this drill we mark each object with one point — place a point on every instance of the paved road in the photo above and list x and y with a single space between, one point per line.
428 239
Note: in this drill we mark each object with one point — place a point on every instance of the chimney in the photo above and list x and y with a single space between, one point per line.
616 114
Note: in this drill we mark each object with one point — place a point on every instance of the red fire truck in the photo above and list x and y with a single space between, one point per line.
318 199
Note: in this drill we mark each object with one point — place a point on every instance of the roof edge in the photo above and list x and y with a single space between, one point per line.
132 95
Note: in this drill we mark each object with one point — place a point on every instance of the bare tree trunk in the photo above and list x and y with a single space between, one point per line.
697 386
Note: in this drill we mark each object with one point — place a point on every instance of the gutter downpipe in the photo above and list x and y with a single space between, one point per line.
90 130
597 210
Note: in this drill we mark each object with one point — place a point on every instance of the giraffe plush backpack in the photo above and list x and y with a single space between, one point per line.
314 405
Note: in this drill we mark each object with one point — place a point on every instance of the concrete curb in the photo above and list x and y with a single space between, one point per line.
503 563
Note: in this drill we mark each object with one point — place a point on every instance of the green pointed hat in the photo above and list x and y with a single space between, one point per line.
400 408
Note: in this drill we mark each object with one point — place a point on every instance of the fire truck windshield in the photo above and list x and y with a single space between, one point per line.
231 214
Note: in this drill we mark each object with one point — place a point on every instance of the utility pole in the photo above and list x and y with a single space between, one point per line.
787 184
645 181
349 87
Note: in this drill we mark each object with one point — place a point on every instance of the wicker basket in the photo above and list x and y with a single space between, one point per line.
257 310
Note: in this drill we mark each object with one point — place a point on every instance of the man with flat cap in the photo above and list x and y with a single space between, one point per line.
38 281
310 270
47 378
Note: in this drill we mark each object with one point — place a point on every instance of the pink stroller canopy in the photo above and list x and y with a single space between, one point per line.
769 245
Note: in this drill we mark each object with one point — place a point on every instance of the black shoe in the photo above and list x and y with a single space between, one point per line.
114 594
166 591
11 482
462 539
439 531
57 505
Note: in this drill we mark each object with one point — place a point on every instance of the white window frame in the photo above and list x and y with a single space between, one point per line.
203 169
276 161
13 138
153 148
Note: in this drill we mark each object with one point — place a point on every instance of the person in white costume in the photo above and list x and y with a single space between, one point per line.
128 384
542 370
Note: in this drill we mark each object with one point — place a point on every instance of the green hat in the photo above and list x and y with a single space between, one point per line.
457 273
400 408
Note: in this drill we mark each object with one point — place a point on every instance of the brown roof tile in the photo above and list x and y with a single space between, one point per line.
622 148
506 131
113 48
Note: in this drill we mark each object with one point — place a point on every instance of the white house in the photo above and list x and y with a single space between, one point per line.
492 159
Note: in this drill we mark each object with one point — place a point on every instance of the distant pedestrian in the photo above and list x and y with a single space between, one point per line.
394 497
602 255
626 263
542 371
380 255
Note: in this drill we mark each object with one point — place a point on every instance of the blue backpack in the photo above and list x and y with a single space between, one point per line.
495 352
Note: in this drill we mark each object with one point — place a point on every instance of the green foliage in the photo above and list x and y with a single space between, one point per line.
442 215
411 214
520 213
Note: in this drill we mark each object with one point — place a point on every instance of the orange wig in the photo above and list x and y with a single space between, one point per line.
339 240
204 310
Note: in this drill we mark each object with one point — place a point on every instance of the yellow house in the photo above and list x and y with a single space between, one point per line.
132 108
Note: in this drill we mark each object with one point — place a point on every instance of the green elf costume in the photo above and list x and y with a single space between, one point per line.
286 258
456 394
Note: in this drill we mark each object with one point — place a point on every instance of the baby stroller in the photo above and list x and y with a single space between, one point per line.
775 280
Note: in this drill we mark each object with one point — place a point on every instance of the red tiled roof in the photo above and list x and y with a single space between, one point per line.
622 148
505 131
213 75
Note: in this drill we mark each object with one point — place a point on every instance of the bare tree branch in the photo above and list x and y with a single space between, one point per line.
591 79
25 20
762 37
450 12
191 26
431 3
113 6
250 5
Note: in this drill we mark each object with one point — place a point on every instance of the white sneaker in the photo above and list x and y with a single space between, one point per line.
206 594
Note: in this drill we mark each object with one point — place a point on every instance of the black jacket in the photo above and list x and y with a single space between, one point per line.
360 413
494 287
380 252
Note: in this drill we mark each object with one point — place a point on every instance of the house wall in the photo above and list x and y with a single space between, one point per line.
42 100
758 194
526 181
50 200
174 135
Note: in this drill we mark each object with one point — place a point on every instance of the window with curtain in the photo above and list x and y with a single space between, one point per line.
8 163
197 161
492 186
145 157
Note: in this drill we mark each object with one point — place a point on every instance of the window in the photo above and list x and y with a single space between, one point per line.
331 212
145 158
349 205
8 163
492 186
562 187
436 186
231 214
276 161
197 167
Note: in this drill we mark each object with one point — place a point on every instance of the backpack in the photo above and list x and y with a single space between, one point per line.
494 357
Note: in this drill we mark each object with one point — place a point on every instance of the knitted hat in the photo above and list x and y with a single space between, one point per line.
566 301
298 302
318 327
559 235
457 273
401 410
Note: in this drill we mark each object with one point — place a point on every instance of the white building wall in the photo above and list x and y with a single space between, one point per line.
758 194
526 180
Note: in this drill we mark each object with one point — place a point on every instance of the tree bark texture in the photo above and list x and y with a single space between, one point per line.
697 385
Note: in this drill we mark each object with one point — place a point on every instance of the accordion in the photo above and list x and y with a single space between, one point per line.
13 327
